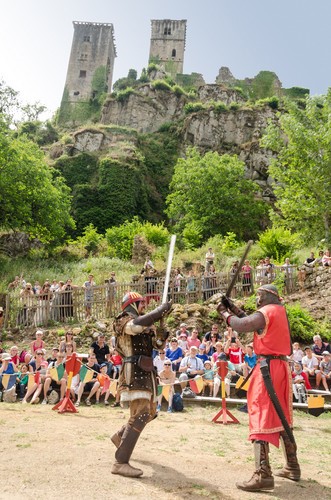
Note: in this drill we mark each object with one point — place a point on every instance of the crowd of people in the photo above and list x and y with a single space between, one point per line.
187 354
39 372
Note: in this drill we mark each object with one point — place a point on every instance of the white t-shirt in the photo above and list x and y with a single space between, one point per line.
310 363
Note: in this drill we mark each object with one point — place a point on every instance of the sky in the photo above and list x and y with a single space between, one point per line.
290 37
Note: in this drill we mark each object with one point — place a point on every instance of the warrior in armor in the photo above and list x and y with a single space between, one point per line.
136 336
269 397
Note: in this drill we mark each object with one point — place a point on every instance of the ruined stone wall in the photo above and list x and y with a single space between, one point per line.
93 46
168 44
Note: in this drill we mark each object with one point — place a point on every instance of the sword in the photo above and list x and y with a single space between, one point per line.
168 271
236 274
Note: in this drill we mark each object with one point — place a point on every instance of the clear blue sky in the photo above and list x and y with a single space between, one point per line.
290 37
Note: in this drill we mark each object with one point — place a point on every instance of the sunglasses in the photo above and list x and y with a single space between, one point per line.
167 364
39 353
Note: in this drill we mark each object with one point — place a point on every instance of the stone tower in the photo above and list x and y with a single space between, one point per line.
91 63
168 44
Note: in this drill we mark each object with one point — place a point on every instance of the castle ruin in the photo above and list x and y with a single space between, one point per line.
91 63
168 45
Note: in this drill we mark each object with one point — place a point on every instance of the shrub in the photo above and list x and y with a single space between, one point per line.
302 324
151 67
278 243
192 235
220 107
234 106
161 85
194 107
178 90
123 95
272 102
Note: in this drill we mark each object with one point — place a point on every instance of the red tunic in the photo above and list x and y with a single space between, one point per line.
264 423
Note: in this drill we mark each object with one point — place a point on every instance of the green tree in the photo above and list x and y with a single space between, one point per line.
32 198
302 167
212 191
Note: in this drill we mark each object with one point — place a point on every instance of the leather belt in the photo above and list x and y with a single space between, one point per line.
131 359
268 356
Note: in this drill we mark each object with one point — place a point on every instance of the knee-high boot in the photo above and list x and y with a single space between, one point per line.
262 479
117 437
292 468
129 440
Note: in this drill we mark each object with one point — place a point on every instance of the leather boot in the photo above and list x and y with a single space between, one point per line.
128 441
262 478
292 468
117 437
126 470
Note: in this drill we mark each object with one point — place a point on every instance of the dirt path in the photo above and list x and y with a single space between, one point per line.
183 456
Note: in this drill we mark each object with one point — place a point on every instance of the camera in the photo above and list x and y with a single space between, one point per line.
233 339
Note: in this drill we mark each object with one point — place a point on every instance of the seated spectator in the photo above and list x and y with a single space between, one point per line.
214 331
101 351
309 260
208 377
92 386
52 383
102 377
159 360
219 350
15 357
319 347
300 383
38 343
194 338
202 353
326 259
22 380
324 374
297 353
117 361
69 338
53 356
236 352
250 360
68 350
37 364
182 342
190 367
211 344
7 366
182 329
174 353
166 377
309 362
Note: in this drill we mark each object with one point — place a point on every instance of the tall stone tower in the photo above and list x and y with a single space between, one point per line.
91 63
168 44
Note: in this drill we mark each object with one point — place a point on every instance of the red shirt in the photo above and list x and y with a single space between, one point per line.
236 355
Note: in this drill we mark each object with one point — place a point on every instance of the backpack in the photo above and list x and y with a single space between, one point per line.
177 402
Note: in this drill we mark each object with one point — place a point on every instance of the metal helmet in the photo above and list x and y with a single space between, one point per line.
129 298
268 294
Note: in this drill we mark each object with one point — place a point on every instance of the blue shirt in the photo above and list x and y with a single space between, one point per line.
251 360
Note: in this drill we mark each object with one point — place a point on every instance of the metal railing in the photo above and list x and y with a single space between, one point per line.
104 301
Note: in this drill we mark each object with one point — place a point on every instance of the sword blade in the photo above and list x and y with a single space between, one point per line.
168 271
241 263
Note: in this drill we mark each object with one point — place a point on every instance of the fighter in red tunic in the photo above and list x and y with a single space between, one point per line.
270 381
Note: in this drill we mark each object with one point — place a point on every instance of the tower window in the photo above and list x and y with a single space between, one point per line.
82 73
87 38
167 31
173 53
76 92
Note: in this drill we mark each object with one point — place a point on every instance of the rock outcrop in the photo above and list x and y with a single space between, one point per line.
145 110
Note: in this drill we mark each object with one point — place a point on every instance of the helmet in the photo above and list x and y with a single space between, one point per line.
131 297
268 294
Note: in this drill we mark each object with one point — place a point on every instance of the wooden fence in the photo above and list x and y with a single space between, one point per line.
105 300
